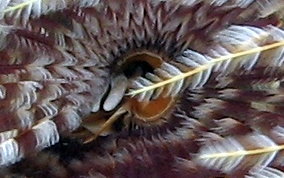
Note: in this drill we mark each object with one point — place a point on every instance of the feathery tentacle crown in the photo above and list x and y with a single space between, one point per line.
198 80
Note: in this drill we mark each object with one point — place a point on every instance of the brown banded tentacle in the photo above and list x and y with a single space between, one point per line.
40 136
51 89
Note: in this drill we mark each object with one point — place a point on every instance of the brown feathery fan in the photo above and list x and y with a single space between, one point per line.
141 88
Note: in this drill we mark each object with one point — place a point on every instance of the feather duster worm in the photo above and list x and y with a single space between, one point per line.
141 88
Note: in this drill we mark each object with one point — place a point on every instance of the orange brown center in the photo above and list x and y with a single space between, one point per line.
151 111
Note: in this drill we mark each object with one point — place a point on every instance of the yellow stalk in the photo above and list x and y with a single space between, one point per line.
107 124
205 67
242 153
19 6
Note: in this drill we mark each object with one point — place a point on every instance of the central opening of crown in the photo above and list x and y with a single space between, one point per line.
118 111
138 65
